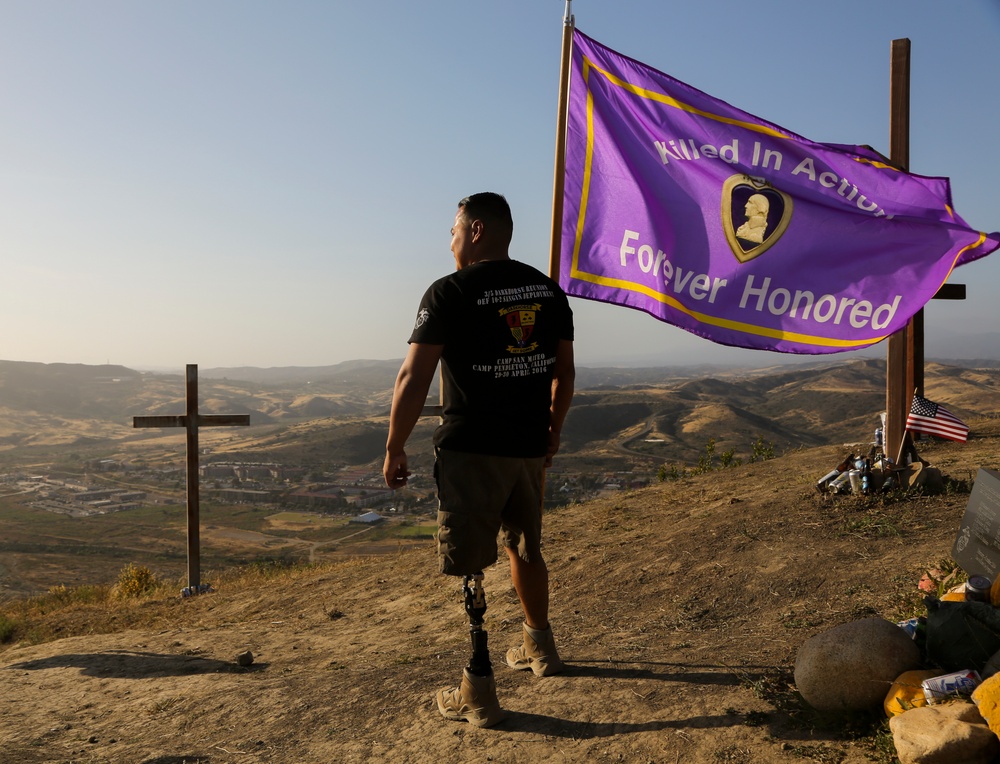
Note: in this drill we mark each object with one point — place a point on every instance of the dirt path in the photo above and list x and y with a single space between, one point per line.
265 540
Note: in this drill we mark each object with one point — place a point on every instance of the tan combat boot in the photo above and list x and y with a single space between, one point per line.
538 653
474 701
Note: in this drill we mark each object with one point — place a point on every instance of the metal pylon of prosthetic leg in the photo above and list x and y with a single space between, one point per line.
475 606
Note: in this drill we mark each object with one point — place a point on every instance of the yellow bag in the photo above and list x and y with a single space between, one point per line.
906 692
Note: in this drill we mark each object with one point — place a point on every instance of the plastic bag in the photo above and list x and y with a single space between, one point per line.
961 635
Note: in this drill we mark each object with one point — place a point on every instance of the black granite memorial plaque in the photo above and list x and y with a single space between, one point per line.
977 548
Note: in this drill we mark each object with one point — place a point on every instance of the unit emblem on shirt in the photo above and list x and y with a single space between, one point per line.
521 322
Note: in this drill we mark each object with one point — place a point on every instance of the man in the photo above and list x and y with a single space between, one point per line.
503 332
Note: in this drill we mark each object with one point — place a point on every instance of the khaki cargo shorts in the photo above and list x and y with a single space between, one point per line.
481 496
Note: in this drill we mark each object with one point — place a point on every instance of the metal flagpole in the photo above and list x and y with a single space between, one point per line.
558 181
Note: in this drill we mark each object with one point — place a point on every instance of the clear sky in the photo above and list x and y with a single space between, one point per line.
238 182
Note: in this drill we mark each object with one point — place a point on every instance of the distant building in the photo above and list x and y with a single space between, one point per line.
353 475
214 471
242 496
249 471
365 497
335 496
327 498
255 471
103 465
368 518
89 497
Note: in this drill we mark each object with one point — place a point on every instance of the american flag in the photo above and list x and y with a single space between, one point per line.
927 416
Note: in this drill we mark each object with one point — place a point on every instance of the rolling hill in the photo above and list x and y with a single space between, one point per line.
339 412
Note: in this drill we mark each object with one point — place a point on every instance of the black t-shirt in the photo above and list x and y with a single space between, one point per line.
500 322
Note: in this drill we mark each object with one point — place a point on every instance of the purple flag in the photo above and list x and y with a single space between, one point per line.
737 230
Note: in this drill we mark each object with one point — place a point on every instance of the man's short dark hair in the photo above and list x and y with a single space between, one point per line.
491 208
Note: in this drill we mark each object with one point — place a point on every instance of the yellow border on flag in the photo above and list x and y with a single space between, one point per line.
652 95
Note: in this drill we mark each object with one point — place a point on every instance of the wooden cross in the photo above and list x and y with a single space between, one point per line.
191 421
904 368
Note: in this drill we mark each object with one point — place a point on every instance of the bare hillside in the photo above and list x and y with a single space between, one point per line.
679 608
339 414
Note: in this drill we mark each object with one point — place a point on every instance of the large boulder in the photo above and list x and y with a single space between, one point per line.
852 666
946 733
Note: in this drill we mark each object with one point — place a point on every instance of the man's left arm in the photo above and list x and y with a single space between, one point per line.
562 395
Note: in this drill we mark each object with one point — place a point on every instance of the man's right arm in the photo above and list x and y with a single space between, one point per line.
408 398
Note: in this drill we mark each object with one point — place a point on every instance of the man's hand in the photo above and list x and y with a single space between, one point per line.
394 470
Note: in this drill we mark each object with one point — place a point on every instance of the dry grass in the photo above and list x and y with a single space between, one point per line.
138 599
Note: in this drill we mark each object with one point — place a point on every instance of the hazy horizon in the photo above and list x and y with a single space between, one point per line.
942 349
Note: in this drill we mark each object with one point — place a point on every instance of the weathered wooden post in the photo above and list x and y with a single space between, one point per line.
899 356
191 421
904 371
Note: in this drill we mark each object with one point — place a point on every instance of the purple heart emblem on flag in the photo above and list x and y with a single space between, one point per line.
754 215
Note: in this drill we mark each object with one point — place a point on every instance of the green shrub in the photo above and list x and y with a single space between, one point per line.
7 629
135 581
761 451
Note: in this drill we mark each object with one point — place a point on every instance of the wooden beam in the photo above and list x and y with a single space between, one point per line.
899 356
915 354
950 292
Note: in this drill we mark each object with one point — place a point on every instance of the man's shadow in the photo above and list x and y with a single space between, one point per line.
722 675
125 664
517 721
603 669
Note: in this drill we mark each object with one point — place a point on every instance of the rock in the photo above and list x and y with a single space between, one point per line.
245 659
945 733
987 699
852 666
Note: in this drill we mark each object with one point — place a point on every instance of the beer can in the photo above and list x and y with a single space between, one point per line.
911 626
839 483
823 481
878 436
854 476
977 589
941 688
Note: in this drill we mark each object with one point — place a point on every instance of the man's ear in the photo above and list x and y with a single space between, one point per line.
477 229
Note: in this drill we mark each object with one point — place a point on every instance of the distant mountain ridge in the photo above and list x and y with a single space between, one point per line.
368 372
651 413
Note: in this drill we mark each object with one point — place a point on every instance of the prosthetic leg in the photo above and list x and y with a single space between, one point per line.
475 606
475 700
